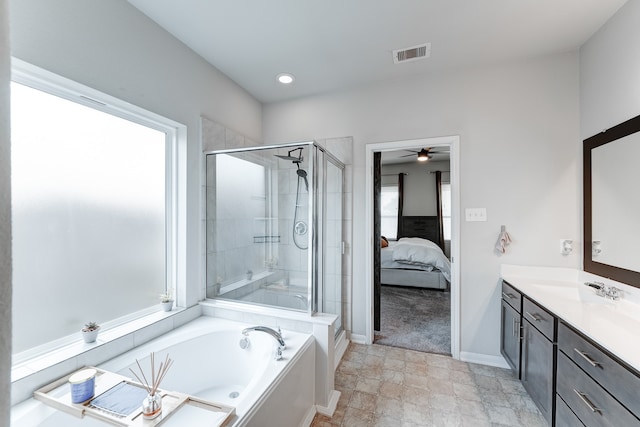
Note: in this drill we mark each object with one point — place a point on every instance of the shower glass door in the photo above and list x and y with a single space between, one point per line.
329 261
258 233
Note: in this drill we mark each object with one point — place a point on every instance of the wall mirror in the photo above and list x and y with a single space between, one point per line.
612 203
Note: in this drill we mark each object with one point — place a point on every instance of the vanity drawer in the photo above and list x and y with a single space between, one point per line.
511 296
623 384
590 402
539 317
564 416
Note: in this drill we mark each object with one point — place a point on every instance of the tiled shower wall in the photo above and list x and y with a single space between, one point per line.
217 137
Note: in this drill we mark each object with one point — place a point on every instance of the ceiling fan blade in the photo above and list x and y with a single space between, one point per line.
409 155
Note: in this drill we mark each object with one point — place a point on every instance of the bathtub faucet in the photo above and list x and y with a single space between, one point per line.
277 335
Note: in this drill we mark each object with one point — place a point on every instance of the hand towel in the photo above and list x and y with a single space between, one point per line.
503 240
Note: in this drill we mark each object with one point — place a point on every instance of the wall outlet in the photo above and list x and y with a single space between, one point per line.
475 214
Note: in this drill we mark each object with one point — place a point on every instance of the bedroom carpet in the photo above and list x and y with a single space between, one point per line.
415 319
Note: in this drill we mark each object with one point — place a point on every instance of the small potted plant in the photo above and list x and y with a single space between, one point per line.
90 332
166 301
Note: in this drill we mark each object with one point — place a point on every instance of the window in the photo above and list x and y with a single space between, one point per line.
446 210
92 207
389 211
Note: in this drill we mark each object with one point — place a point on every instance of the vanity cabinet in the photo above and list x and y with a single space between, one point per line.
527 342
510 335
538 356
598 389
572 379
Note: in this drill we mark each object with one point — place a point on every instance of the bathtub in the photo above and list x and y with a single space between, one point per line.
209 363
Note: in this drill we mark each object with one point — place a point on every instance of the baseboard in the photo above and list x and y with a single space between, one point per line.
308 418
342 343
358 339
484 359
333 403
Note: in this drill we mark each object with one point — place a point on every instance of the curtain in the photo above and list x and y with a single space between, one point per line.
439 209
400 203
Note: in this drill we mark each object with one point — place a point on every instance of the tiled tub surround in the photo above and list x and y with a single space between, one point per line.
592 375
209 363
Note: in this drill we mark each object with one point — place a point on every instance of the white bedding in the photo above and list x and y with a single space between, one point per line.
418 254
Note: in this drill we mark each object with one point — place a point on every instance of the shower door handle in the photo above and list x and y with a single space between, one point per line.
343 247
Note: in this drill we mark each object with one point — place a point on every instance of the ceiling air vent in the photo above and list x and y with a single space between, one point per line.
412 53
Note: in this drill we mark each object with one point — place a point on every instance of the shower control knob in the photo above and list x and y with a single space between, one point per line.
300 228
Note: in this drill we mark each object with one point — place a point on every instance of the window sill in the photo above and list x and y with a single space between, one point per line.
31 374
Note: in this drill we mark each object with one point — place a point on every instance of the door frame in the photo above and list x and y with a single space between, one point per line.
453 142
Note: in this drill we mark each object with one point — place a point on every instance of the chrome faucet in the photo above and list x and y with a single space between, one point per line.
598 286
602 290
613 293
277 335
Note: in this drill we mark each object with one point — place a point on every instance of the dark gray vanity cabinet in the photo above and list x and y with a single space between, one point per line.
596 388
527 342
511 320
538 356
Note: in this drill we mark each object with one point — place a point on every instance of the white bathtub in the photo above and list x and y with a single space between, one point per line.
209 363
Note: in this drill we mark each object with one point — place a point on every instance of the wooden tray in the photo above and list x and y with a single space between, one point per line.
178 409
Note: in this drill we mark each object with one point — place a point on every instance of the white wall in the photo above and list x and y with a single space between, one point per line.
5 220
520 153
609 70
112 47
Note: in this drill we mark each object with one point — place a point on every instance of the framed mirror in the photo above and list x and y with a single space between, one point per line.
612 203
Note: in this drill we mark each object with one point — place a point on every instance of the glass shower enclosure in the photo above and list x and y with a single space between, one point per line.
274 227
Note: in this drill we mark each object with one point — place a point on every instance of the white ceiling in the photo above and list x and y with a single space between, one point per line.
335 45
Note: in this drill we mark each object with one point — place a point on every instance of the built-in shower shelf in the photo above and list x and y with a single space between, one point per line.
178 409
266 239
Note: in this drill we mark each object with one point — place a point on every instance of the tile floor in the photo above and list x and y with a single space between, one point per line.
387 386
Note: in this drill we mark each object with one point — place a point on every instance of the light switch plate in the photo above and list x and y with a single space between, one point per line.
475 214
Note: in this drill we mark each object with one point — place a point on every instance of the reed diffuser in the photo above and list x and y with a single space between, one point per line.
152 404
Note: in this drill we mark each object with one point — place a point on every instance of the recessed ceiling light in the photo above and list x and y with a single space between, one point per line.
286 78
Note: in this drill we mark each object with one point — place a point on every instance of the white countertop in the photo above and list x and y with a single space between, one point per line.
614 325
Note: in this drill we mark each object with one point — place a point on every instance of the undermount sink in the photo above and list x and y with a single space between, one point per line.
586 295
573 293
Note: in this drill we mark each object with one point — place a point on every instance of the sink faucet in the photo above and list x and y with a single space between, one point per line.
277 335
598 286
602 290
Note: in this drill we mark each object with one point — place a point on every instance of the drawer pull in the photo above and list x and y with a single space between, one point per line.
515 327
534 316
586 357
587 402
506 295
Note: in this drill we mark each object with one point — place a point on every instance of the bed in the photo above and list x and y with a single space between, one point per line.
415 260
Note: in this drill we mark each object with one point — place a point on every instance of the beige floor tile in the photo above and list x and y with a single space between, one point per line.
396 377
355 417
364 401
415 395
389 407
386 386
368 385
391 390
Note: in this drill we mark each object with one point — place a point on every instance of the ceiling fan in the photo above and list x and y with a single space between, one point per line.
425 154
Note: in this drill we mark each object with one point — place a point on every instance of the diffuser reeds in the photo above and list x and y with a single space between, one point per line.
156 376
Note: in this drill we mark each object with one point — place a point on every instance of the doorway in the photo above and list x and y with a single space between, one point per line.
450 144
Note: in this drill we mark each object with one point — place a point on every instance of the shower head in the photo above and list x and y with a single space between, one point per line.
291 158
303 174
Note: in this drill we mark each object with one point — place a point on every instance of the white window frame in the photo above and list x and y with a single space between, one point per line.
397 188
448 186
175 209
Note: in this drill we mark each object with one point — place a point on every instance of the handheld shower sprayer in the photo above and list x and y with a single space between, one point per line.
303 174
